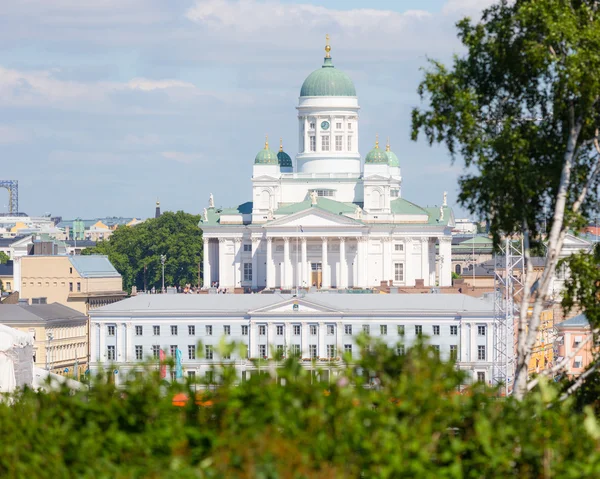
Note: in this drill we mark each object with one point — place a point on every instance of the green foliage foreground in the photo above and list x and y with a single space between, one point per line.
414 424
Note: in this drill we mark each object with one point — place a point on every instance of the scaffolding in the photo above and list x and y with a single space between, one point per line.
509 277
13 195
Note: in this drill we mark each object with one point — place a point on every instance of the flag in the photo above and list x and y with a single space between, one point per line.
178 368
163 366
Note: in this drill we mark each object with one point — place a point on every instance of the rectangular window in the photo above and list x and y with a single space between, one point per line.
173 330
296 350
192 351
338 142
208 330
227 330
296 330
156 330
331 351
313 329
436 348
78 287
578 362
348 348
453 330
262 350
156 352
436 330
481 353
398 271
313 143
247 248
400 350
71 287
480 377
349 142
209 377
418 330
399 247
383 329
348 329
262 330
401 330
173 350
191 375
325 143
139 330
244 330
330 330
394 193
312 349
279 330
481 330
366 329
192 330
453 352
209 352
111 330
311 125
139 353
247 271
338 126
349 126
279 349
111 353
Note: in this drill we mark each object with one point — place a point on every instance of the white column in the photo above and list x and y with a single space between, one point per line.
129 354
321 351
324 266
305 280
409 271
339 347
222 269
306 141
343 280
288 338
255 244
361 273
287 265
270 338
445 261
304 345
431 261
425 260
387 259
102 335
237 262
269 260
206 263
253 351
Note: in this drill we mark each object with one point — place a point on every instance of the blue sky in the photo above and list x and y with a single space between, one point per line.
106 105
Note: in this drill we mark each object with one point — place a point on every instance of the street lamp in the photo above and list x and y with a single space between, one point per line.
163 258
48 347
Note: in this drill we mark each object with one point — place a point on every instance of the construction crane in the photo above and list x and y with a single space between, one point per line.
13 195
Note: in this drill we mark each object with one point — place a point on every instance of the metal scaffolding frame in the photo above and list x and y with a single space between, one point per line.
13 194
509 277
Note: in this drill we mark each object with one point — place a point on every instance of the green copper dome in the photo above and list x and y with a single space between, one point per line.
266 156
392 158
376 156
284 159
328 81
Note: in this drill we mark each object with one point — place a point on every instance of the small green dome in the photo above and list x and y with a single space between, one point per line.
376 156
392 158
284 159
328 81
266 156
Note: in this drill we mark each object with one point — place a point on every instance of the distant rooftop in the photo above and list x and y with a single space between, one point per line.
17 313
93 266
579 321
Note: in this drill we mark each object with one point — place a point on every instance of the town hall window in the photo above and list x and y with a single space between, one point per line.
247 271
313 143
325 143
349 142
338 142
398 271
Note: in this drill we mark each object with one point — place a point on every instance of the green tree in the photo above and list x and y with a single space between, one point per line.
522 109
4 258
135 251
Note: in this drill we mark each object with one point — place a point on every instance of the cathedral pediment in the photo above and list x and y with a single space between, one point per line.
314 217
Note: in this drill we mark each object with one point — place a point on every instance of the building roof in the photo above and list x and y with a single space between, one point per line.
108 221
400 206
4 242
94 266
579 321
350 303
35 313
377 156
332 206
81 243
6 269
328 81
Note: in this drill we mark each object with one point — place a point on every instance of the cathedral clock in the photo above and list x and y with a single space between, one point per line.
325 125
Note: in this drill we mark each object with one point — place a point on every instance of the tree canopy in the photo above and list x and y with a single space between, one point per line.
135 251
521 108
3 257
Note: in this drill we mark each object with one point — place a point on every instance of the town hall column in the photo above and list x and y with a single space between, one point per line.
343 281
237 262
445 261
305 279
425 260
269 260
361 281
255 243
287 265
222 274
206 263
324 264
409 270
387 259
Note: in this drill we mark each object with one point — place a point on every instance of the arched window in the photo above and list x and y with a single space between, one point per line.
457 269
265 200
377 199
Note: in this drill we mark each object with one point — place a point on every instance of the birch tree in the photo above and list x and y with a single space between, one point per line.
520 108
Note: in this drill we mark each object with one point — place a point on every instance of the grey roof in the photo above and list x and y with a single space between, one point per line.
8 241
6 269
579 321
35 313
94 266
365 303
81 243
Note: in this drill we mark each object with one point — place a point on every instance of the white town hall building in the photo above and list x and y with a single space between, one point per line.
326 220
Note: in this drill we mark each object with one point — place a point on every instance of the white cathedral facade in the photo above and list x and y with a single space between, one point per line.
327 220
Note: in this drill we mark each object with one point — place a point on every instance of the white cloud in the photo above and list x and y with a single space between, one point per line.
465 7
9 135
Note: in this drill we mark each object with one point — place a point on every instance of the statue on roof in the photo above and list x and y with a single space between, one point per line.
205 215
441 213
211 201
445 198
313 198
358 212
270 214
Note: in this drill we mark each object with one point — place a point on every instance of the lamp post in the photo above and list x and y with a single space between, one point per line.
163 258
48 347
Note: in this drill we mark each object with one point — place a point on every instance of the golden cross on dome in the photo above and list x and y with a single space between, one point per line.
280 144
266 142
377 140
387 147
327 46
